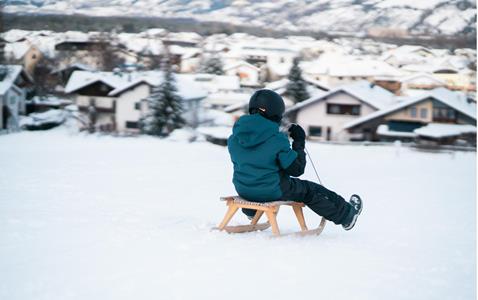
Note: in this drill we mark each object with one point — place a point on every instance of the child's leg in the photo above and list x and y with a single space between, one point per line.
250 213
322 201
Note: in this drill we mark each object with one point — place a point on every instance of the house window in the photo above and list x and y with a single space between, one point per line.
132 125
12 100
137 106
442 114
423 113
343 109
413 112
315 131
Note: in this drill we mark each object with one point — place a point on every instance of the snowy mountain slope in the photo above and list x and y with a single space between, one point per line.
91 217
414 16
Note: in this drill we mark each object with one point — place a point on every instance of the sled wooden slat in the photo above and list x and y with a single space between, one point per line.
270 209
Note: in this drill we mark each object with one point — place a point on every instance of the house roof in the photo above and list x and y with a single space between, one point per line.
366 92
121 82
79 66
238 64
437 130
453 99
282 83
339 65
422 75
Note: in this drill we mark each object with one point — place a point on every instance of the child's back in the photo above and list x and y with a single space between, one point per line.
259 151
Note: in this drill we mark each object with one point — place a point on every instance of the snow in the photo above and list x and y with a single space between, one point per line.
436 130
220 132
348 16
50 116
99 217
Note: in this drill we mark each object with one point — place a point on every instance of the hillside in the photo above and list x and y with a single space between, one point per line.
378 17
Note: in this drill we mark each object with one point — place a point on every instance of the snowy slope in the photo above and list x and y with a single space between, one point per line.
88 217
417 16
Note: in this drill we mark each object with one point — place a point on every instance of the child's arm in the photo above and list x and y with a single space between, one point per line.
292 161
297 167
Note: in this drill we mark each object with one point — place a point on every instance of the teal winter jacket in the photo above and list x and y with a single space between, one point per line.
259 151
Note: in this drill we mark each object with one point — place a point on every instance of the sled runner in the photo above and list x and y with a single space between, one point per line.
270 209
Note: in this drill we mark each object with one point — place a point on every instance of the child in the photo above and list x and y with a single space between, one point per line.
264 163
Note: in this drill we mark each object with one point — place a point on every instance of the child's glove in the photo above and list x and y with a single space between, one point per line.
296 132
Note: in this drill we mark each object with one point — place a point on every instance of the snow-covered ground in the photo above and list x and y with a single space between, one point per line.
90 217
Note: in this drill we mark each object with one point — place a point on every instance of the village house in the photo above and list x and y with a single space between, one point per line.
418 115
249 75
324 116
118 97
223 90
420 81
334 70
25 53
14 82
408 54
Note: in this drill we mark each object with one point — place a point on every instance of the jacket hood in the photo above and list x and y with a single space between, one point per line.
252 130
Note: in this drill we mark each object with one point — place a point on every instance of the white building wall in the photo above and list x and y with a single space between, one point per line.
316 115
247 75
125 107
14 99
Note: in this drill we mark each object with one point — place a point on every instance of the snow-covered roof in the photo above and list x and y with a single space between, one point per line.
455 100
422 78
145 45
75 65
121 82
239 64
17 50
437 130
280 84
228 98
213 83
365 67
339 65
80 79
15 35
12 74
366 92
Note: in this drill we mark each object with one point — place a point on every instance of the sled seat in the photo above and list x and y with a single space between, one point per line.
270 209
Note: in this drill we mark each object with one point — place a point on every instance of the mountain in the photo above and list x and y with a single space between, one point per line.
379 17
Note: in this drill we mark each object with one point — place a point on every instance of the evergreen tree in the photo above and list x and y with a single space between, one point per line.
164 105
212 65
297 87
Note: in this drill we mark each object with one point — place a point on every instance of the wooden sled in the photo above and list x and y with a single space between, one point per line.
270 209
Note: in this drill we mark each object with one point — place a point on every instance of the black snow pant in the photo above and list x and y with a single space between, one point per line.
322 201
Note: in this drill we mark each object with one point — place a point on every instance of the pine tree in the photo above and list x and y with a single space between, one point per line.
164 105
297 87
212 65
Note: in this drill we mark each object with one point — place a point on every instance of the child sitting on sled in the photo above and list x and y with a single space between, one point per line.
265 164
